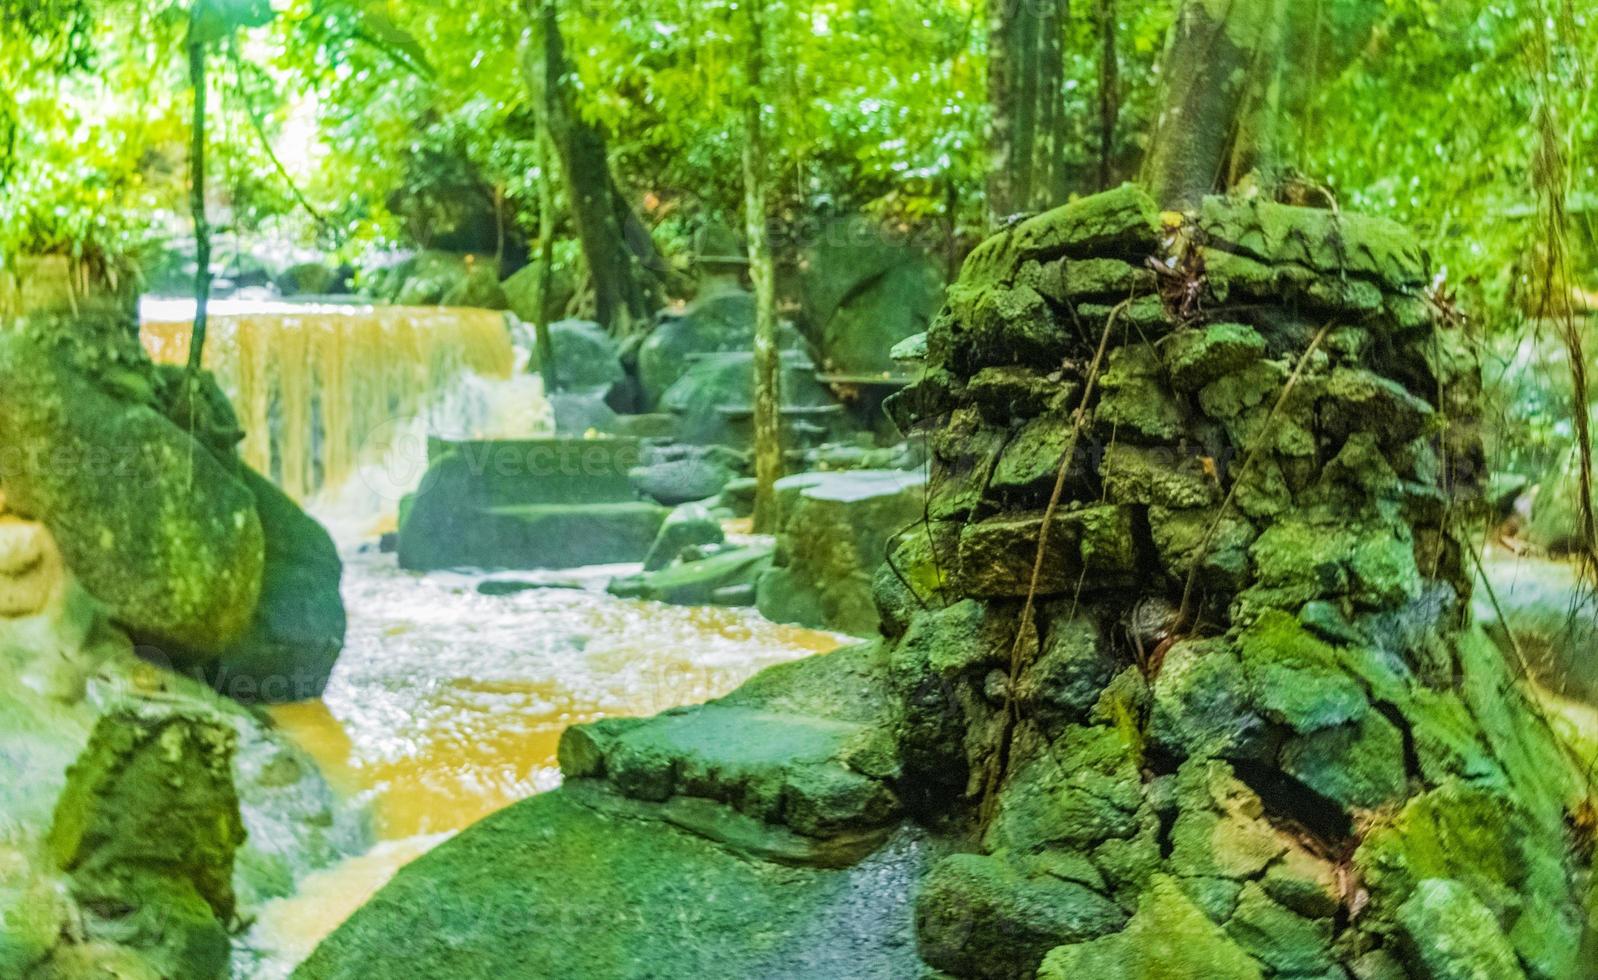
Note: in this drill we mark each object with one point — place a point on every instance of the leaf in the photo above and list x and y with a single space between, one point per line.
214 20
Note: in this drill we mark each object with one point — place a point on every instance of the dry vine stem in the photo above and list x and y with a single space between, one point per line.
996 768
1184 612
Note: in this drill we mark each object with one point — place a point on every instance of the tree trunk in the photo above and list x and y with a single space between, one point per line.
1221 85
546 266
202 227
767 366
1048 136
1026 73
1109 90
616 246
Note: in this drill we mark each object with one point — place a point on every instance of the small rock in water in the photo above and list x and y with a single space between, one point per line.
501 586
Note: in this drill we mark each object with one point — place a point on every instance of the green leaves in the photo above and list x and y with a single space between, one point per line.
215 20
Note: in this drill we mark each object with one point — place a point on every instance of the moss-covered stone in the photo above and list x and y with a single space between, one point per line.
1092 547
1010 392
1198 356
1124 220
1168 939
1159 476
1324 241
1296 679
1085 791
147 828
1134 401
1220 830
146 517
834 533
1073 667
1202 705
1282 940
1216 541
297 631
1451 935
979 917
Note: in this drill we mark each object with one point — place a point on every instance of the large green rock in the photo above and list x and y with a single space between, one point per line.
980 917
147 828
533 503
1451 935
1168 939
569 884
146 517
297 632
863 294
834 530
714 398
586 357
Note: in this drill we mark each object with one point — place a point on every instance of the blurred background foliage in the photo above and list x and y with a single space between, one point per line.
404 123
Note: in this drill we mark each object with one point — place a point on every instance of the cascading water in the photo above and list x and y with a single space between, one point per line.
336 401
446 703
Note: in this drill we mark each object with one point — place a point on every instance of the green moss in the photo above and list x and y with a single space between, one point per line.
1450 935
1120 221
607 873
1361 401
1168 939
1201 703
1134 398
1091 548
1282 940
1220 830
1184 536
1085 790
1324 241
980 917
1198 356
1358 765
1296 679
1031 460
1166 477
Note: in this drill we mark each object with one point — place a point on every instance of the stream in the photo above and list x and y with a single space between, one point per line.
447 704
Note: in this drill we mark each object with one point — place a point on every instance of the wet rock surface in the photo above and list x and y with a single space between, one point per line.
525 504
832 538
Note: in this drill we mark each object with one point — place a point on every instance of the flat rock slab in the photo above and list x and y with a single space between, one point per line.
533 536
557 886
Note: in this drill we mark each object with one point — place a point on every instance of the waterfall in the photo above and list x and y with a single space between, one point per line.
337 401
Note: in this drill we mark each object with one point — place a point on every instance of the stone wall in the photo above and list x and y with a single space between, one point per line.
1243 700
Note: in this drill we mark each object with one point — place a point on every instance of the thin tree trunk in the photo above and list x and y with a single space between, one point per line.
1026 78
1217 68
1001 104
767 366
625 296
546 266
1048 136
202 227
1109 90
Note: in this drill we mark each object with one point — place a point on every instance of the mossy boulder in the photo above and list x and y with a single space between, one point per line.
1168 938
586 357
1453 936
147 828
690 525
297 631
981 917
833 535
154 525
